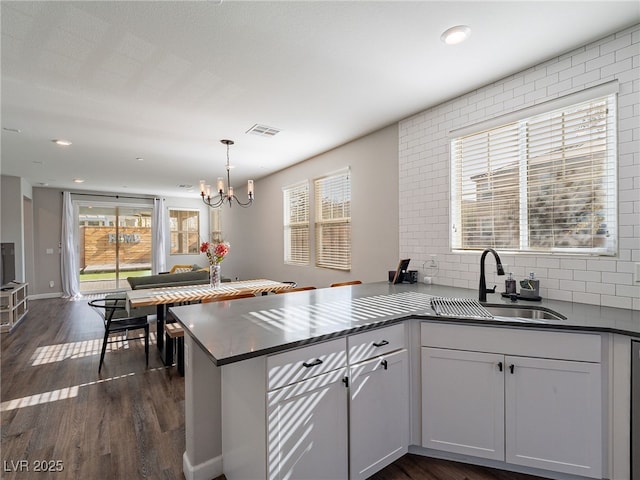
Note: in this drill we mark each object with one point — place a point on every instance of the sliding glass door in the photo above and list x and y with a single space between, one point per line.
114 243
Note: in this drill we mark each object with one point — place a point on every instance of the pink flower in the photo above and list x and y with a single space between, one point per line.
215 253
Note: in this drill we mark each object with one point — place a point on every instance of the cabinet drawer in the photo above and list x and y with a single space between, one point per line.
562 345
290 367
363 346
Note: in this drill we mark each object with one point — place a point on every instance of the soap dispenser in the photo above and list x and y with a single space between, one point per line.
510 285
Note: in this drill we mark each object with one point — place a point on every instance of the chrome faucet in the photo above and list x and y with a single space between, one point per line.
482 289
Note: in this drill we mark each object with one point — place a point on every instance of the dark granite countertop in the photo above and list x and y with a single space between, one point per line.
240 329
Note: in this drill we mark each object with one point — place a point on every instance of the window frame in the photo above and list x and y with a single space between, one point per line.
524 167
181 232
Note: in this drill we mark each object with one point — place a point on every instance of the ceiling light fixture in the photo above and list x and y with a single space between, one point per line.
456 35
64 143
228 196
78 180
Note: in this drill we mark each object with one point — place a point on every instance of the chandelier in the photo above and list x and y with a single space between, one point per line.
228 196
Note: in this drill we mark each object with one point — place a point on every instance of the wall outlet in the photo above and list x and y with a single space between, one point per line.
51 284
433 261
636 273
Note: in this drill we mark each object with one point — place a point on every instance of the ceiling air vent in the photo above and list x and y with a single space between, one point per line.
263 131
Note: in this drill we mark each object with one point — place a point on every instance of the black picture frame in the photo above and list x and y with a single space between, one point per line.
403 266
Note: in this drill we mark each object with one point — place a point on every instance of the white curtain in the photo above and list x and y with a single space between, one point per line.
69 259
158 258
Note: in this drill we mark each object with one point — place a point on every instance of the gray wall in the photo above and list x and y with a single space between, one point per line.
13 192
256 233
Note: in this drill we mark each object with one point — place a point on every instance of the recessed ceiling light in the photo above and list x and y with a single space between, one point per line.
64 143
140 159
78 180
455 35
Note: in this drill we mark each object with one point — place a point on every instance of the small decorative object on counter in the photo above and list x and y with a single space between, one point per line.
215 254
530 287
510 284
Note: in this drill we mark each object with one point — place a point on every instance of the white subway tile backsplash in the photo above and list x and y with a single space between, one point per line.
587 276
591 298
628 291
615 301
424 174
603 288
560 295
573 264
617 278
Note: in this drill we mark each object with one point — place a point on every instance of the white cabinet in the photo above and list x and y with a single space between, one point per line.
552 411
548 408
379 400
13 305
307 435
285 415
311 413
307 412
463 402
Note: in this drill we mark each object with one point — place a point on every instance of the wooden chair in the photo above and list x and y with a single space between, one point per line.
231 296
342 284
175 333
180 268
297 289
113 314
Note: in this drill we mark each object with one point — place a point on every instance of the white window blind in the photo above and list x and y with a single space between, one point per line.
546 183
333 221
296 224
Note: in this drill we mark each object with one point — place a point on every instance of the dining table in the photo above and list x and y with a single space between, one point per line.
165 297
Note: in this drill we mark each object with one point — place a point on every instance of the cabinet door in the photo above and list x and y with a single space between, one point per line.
307 429
463 402
378 413
553 415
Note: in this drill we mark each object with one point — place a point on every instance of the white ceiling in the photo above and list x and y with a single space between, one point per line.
165 81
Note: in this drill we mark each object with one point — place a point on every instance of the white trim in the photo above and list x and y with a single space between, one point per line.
212 468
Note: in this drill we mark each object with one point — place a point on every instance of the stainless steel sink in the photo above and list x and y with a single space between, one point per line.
523 311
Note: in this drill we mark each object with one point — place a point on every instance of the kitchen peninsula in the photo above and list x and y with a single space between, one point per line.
338 381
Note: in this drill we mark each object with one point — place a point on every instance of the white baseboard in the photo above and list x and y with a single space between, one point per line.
204 471
41 296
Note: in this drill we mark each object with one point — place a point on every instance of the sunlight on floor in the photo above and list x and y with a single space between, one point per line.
71 350
61 394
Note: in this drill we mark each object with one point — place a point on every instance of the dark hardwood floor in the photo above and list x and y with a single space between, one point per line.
57 413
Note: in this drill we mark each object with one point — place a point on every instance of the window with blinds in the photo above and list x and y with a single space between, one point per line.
333 220
296 224
546 183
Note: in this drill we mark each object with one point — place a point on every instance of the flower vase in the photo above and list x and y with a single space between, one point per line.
214 275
